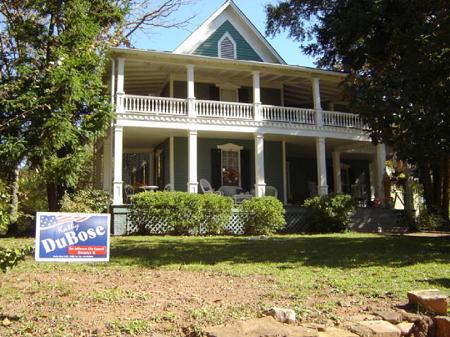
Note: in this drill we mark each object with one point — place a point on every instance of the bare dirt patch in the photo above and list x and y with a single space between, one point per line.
137 301
99 301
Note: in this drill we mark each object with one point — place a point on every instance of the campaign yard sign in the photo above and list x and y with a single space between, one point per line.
72 237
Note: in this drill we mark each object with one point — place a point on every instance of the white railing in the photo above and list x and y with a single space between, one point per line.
287 114
231 110
155 105
342 119
224 109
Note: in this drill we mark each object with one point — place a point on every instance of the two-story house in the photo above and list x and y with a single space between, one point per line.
225 107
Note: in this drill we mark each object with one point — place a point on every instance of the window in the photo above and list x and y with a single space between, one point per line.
231 166
227 47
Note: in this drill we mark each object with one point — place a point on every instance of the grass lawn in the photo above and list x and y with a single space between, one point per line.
179 284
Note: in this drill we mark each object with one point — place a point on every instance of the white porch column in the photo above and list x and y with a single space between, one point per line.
257 96
322 187
107 163
317 103
260 184
380 169
172 163
192 185
120 93
336 156
191 91
285 198
118 150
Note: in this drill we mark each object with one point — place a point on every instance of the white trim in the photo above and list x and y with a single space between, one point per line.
238 126
230 147
219 46
206 29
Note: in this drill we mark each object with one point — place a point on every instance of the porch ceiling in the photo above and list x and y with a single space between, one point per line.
149 78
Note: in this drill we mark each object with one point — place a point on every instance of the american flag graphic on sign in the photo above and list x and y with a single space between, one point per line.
49 221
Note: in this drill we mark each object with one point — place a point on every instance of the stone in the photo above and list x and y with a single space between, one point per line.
362 317
266 326
6 322
335 332
430 299
423 327
409 316
282 315
405 328
442 326
376 329
390 316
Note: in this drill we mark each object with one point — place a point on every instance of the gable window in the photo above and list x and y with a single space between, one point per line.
227 47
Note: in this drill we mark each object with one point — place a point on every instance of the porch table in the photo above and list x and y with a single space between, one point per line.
151 188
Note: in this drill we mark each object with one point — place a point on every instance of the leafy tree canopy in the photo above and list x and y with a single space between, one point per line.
397 55
53 102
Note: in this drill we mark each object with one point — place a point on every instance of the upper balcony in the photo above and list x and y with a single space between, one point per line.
191 90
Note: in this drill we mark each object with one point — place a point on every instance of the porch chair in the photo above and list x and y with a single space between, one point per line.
128 193
230 191
271 191
206 187
168 188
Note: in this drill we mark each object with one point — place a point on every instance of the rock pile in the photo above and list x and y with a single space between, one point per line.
397 322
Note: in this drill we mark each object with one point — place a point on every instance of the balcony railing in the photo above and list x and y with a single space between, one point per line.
224 109
288 115
155 105
236 111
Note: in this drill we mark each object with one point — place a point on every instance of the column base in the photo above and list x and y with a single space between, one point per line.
260 190
192 187
118 193
322 190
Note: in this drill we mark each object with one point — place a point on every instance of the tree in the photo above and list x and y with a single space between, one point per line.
397 55
53 103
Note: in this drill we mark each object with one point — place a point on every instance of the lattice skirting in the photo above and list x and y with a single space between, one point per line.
364 220
122 224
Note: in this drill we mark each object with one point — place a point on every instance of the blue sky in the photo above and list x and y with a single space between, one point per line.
169 39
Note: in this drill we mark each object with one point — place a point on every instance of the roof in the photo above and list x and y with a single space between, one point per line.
230 12
207 61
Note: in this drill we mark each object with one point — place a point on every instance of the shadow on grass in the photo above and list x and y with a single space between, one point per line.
334 251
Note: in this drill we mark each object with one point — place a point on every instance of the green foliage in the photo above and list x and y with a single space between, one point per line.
397 56
429 221
4 208
329 213
53 100
11 257
86 201
265 215
184 213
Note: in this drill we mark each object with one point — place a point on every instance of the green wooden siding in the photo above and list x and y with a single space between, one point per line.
272 165
244 50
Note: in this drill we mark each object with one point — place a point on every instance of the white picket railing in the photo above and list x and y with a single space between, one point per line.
287 114
342 119
155 105
224 109
231 110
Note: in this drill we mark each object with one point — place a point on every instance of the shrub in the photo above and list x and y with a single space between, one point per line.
11 257
265 215
429 221
4 209
86 201
329 213
183 213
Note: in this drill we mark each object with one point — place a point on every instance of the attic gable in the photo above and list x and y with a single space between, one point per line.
229 21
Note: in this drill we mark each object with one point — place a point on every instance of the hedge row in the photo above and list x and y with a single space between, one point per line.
193 214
